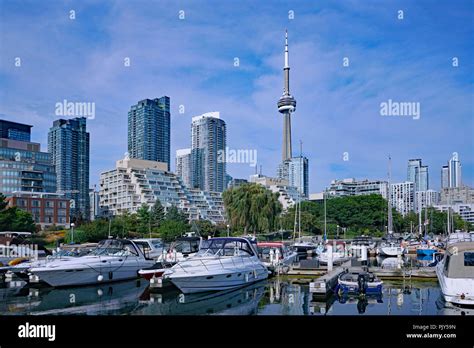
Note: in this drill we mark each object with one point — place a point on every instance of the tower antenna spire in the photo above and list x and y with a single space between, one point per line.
286 105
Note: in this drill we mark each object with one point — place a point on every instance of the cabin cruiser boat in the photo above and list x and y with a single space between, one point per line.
276 255
390 247
221 264
15 246
303 247
339 253
152 247
456 271
358 283
180 250
21 269
360 241
112 260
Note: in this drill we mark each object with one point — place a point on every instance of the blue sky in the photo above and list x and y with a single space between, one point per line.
192 61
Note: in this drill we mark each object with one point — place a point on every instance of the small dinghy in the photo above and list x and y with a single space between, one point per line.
358 283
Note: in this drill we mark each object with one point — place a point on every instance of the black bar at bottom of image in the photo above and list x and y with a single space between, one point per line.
144 330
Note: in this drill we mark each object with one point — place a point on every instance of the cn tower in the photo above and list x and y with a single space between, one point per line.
286 105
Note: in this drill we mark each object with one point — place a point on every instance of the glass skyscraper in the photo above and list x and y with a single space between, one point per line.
149 135
417 173
68 144
298 175
23 167
15 131
208 160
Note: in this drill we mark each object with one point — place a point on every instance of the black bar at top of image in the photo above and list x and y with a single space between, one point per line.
261 330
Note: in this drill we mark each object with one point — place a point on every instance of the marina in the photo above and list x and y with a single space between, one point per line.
235 276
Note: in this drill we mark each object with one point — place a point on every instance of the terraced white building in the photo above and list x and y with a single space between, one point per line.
134 182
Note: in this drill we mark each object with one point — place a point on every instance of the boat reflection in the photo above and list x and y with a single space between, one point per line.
106 299
241 301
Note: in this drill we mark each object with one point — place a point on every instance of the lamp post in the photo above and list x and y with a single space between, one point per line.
228 226
72 233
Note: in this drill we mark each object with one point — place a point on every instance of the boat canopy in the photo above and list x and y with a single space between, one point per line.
116 247
270 245
459 262
230 246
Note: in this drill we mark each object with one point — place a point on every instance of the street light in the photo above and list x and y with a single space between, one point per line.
228 230
72 233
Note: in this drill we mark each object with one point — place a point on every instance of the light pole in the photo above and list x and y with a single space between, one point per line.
72 233
228 226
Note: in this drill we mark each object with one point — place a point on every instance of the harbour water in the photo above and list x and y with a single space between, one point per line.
276 296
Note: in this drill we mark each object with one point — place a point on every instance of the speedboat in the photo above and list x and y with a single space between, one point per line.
358 283
456 271
276 255
180 250
112 260
221 264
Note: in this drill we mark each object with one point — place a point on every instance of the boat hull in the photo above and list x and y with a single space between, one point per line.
218 281
428 252
459 291
79 273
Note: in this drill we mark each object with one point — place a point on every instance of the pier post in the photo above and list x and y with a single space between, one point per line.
329 247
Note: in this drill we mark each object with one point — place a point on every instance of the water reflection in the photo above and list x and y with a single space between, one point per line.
242 301
277 296
107 299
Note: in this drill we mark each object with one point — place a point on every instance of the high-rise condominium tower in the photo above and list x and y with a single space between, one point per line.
149 130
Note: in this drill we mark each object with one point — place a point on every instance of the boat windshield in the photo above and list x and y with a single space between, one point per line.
113 247
225 247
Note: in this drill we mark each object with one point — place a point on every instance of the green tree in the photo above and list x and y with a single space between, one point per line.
144 219
14 219
157 214
171 229
252 208
174 214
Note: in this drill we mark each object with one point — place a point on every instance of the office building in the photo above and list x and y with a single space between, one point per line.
15 131
23 166
68 144
457 195
418 174
445 176
455 172
46 208
149 135
425 199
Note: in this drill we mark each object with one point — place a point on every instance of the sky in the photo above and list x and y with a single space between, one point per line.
187 50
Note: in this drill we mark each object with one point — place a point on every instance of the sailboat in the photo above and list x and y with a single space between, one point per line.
390 247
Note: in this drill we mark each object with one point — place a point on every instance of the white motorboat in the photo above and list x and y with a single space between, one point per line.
339 252
112 260
221 264
21 269
390 248
152 247
456 272
276 255
179 250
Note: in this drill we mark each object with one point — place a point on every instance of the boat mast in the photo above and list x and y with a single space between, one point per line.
325 220
390 222
301 188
